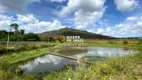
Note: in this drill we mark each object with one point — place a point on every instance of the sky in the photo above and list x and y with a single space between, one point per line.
117 18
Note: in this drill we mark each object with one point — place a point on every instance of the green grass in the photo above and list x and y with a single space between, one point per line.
118 44
16 57
94 58
22 56
27 46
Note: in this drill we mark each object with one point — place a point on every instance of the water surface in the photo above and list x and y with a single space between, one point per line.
49 62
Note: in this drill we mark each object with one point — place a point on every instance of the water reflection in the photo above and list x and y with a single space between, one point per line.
50 62
104 52
69 51
45 63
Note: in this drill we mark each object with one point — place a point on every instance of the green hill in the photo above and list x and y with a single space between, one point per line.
73 32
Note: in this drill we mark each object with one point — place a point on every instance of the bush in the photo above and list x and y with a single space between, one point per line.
3 65
14 38
2 50
50 39
125 42
31 37
110 42
139 42
104 69
27 47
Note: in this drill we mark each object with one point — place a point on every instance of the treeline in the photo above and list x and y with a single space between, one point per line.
20 35
23 37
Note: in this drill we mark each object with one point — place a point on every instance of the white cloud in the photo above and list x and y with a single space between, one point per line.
124 29
42 26
100 31
85 11
34 25
85 19
30 23
57 1
27 18
5 21
139 24
15 5
132 18
108 29
126 5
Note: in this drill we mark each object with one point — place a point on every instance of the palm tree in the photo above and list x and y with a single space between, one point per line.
22 31
15 27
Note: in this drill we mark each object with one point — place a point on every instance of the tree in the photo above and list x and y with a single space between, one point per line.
31 37
3 35
49 39
13 38
15 27
22 31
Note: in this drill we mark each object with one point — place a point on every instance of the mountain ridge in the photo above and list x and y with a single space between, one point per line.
73 32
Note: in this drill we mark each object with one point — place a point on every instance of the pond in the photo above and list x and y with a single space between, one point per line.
49 62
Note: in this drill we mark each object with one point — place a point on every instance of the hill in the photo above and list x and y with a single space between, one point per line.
73 32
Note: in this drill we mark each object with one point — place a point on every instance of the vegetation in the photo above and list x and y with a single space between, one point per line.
126 68
31 37
73 32
21 56
15 27
19 35
125 42
94 58
49 39
23 47
22 32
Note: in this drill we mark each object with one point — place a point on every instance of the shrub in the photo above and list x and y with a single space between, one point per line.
27 47
125 42
139 42
31 37
50 39
2 50
104 69
110 42
3 65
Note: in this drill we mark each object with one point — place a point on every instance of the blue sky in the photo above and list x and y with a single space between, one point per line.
119 18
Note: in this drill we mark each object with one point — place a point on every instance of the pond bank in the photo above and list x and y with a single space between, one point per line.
25 55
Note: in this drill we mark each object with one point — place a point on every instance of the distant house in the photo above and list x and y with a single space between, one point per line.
74 39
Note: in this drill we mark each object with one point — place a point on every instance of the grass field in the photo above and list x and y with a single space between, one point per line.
23 46
24 55
128 67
